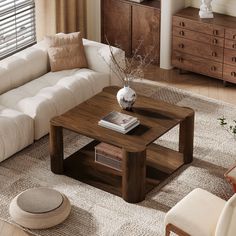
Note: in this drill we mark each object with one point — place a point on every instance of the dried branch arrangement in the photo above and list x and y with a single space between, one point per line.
130 68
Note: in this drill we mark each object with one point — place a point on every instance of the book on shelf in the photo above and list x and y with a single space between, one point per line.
108 155
119 122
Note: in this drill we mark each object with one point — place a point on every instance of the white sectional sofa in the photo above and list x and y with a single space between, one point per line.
30 95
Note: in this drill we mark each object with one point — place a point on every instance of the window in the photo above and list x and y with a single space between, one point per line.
17 25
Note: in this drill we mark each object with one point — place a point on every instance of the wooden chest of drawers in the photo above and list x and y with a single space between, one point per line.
205 46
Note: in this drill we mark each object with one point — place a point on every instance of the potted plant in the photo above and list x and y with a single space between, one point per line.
229 127
230 174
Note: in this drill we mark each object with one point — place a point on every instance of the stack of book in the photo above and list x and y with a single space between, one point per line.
108 155
119 122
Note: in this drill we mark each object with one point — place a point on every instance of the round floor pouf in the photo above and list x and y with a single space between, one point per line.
40 208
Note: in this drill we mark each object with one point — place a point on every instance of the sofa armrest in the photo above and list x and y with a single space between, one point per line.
98 57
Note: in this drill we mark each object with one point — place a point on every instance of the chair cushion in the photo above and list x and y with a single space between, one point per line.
197 213
54 94
66 51
226 225
16 132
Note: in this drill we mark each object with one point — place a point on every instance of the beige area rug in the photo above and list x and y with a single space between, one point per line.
95 212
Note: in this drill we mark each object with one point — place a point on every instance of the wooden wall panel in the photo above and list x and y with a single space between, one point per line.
125 23
146 30
116 21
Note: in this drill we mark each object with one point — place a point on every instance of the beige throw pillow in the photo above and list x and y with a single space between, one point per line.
66 51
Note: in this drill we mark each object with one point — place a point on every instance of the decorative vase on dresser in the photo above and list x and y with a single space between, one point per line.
206 9
205 46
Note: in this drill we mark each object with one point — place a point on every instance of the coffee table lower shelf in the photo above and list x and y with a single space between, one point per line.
161 162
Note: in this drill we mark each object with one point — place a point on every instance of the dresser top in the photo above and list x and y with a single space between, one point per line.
219 19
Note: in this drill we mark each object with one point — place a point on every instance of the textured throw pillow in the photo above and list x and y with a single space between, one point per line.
66 51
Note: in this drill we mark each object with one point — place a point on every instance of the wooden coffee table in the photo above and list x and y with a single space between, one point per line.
144 164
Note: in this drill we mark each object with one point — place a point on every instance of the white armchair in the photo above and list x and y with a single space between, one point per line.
201 213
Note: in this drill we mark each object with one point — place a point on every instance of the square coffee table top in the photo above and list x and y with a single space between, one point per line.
156 118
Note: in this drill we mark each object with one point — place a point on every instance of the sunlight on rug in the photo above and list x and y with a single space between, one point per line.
95 212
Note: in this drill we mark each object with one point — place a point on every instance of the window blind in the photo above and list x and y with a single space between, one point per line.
17 25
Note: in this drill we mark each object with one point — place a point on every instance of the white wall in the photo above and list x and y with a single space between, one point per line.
168 8
222 6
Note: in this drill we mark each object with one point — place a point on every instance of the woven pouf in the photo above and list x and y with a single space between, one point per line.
40 208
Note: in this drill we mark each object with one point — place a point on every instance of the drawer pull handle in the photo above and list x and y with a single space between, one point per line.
234 59
233 74
215 41
215 32
213 68
214 54
182 24
181 45
180 59
181 33
234 45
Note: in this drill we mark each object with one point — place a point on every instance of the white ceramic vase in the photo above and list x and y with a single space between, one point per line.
126 97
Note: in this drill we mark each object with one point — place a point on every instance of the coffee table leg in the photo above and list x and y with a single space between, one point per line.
56 149
134 176
186 134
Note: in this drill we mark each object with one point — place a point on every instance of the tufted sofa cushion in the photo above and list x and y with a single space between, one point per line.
53 94
16 132
23 67
4 80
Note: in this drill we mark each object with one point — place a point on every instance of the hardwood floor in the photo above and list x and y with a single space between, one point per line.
192 82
